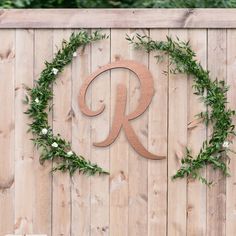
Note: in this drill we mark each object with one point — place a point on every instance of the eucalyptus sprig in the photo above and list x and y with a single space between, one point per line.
39 99
212 93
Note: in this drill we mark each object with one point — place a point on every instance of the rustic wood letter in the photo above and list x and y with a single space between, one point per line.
120 119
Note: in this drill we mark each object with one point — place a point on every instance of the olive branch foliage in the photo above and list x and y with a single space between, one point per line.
212 92
39 100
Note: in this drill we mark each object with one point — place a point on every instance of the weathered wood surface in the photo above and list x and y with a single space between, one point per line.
43 50
100 199
119 167
157 142
216 195
81 143
177 140
7 127
231 182
24 154
196 203
118 18
61 182
139 197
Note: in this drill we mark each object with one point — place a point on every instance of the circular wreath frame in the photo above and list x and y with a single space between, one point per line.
212 92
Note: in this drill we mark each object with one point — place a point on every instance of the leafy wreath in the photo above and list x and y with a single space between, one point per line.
40 96
212 92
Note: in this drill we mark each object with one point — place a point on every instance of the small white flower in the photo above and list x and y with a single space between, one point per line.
36 100
70 153
54 71
225 144
44 131
75 54
55 145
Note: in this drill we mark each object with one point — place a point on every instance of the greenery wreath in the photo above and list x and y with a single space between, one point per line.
212 92
53 146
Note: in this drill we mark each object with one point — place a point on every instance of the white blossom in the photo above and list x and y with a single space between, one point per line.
44 131
55 145
70 153
54 71
225 144
36 100
74 54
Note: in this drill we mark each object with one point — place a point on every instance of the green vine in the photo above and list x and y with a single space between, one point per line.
213 94
53 146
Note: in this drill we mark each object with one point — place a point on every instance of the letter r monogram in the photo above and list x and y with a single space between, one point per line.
120 119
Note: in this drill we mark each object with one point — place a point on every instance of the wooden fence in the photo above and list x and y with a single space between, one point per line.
139 197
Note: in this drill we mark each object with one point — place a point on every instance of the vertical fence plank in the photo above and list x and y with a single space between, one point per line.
137 164
196 208
119 151
231 181
7 118
157 142
177 140
24 160
100 55
81 144
42 202
61 210
216 193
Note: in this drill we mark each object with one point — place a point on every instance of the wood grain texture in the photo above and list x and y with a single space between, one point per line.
138 175
81 143
118 18
61 206
7 130
100 55
43 50
24 159
196 191
26 235
177 141
119 151
216 194
157 143
231 181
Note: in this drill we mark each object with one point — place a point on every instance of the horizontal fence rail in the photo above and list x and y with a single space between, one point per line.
118 18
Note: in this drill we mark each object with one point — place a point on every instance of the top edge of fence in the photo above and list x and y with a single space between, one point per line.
117 18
